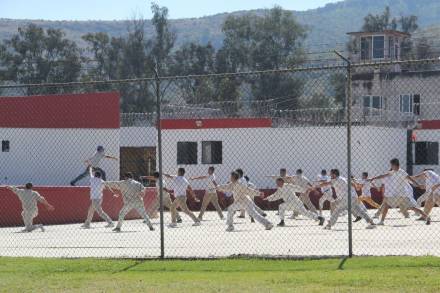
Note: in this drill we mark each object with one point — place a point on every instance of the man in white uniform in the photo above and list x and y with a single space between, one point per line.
242 200
400 191
365 187
167 202
180 186
300 180
29 199
431 179
94 162
287 192
210 193
96 189
242 180
327 193
341 188
431 195
133 193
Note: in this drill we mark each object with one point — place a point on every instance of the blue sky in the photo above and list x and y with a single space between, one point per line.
125 9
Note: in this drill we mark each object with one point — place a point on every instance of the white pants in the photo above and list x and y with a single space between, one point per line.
424 197
248 205
326 196
296 206
28 218
356 209
96 205
138 205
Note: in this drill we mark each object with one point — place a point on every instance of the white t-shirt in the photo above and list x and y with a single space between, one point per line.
431 179
211 186
96 187
96 159
326 179
366 187
397 183
158 185
341 188
301 181
180 185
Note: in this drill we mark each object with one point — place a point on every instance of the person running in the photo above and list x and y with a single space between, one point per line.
327 192
181 186
94 162
96 189
365 187
401 193
133 196
210 193
242 200
287 192
167 202
29 199
341 204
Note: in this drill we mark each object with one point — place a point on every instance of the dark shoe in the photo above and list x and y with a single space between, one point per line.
252 220
357 219
72 183
428 221
179 220
281 224
241 217
321 220
264 215
151 228
117 229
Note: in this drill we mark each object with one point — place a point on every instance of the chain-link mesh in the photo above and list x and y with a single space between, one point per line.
399 121
252 163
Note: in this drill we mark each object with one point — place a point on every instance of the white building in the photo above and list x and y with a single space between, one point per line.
261 150
45 139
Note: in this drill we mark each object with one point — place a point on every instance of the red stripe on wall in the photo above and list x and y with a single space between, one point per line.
429 124
216 123
91 110
71 205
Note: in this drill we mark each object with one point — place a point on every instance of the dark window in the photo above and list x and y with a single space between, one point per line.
416 106
212 152
187 153
378 47
426 153
5 146
365 48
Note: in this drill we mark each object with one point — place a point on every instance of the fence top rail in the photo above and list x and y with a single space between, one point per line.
230 74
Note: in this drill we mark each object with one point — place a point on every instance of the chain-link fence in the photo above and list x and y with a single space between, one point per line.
240 164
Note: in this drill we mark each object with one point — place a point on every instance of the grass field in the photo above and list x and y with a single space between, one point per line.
363 274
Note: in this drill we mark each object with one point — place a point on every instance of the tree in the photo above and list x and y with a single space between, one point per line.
272 41
194 59
35 55
134 56
381 22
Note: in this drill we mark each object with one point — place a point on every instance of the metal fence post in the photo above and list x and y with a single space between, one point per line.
349 187
159 157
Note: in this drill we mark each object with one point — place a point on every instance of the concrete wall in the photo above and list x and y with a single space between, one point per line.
54 156
71 205
263 151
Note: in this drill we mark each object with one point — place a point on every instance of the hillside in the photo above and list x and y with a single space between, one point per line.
327 25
